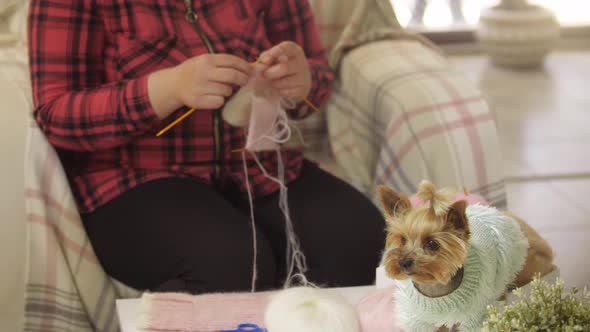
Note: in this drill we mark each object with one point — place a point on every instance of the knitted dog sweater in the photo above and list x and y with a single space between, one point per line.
496 254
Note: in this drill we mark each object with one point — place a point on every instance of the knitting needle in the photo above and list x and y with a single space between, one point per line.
311 105
239 150
185 115
168 127
192 110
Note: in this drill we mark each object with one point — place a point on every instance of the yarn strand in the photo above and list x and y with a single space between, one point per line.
295 257
279 133
253 225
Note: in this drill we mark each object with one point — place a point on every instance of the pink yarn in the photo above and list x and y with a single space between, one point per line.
263 132
471 199
377 311
258 106
202 313
268 125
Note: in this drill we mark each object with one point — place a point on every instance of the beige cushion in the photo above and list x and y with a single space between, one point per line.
13 129
7 7
13 20
331 16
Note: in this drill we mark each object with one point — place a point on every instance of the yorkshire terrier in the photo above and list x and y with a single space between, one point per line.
429 243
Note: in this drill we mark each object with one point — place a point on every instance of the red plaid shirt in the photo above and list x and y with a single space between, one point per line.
90 60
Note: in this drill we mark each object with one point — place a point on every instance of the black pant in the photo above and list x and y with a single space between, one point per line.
181 235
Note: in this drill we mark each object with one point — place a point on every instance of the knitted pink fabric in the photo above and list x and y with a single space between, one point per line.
263 131
258 107
265 104
471 199
201 313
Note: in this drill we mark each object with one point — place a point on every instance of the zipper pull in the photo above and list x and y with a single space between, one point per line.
190 15
192 18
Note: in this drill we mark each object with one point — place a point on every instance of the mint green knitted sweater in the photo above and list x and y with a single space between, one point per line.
496 254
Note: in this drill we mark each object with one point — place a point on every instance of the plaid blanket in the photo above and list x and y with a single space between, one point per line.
401 114
344 26
66 289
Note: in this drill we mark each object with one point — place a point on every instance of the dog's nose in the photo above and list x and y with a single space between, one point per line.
406 263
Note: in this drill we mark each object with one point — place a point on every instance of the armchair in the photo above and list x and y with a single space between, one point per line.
399 114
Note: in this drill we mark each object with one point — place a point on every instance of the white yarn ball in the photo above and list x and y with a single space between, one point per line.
304 309
237 109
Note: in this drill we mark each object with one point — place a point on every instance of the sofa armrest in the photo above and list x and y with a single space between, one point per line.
400 114
47 244
12 205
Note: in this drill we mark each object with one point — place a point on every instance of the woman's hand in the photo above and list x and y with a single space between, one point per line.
288 70
202 82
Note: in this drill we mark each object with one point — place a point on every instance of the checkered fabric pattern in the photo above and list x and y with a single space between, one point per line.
400 114
90 64
330 22
331 19
66 288
347 25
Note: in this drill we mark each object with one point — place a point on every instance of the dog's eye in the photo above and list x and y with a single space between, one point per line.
431 245
403 240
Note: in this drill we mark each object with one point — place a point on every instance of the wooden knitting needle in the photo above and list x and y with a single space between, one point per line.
192 110
239 150
311 105
168 127
185 115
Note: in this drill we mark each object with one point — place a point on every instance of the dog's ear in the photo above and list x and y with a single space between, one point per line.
457 219
392 203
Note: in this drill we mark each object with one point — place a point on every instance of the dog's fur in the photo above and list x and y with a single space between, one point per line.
429 243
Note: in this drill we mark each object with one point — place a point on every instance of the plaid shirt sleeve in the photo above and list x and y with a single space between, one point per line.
293 20
73 105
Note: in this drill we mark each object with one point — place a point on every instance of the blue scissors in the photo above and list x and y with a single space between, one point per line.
247 327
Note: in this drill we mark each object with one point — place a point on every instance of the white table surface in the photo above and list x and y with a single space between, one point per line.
127 309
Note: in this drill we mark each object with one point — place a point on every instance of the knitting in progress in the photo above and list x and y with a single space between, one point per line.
497 252
259 107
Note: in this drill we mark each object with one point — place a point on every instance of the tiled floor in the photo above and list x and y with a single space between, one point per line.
544 125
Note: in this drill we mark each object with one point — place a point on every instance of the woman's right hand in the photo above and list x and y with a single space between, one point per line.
201 82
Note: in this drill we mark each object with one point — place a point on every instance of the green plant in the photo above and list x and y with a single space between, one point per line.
547 308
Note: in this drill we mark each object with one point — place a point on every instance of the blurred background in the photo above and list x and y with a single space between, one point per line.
443 15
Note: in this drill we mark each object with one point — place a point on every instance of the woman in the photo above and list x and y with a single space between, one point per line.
170 213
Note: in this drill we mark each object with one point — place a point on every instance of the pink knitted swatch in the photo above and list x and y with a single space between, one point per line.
259 107
263 131
201 313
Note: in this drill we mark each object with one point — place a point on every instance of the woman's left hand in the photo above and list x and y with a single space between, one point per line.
288 70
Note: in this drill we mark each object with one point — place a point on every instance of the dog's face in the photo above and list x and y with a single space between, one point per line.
421 245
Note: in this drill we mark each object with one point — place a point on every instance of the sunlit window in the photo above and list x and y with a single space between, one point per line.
441 14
